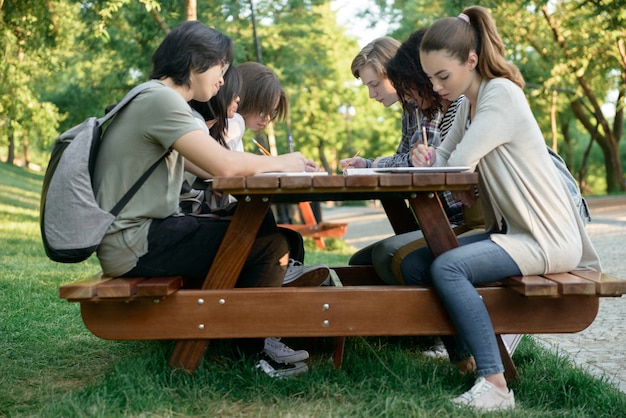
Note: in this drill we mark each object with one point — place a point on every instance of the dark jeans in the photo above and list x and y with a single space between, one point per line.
186 246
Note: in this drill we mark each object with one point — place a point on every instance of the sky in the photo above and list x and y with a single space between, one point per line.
346 16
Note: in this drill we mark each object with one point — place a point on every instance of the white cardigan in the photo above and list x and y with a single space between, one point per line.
518 182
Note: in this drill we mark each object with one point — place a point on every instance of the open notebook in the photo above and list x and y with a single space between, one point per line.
363 171
292 173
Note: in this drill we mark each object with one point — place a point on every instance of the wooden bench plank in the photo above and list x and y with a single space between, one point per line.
532 285
606 285
159 286
326 311
570 284
120 287
83 289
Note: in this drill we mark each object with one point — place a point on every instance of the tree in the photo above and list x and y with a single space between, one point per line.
29 36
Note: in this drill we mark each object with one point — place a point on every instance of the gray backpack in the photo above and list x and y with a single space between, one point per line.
71 221
572 186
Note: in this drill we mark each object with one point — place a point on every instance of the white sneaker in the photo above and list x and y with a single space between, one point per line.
281 353
436 351
485 397
300 275
281 370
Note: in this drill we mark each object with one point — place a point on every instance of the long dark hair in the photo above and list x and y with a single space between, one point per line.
217 108
405 73
190 46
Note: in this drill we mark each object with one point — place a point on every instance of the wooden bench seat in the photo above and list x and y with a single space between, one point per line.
160 309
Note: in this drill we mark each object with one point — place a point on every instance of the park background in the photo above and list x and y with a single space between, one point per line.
63 61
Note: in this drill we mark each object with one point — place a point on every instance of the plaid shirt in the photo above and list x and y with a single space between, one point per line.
412 123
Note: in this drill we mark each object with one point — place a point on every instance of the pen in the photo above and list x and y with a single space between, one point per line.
355 155
425 138
263 150
290 141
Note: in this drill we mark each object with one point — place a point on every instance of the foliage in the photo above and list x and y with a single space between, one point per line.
65 60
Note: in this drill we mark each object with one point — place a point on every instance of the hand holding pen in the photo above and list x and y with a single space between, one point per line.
261 148
354 162
421 154
309 165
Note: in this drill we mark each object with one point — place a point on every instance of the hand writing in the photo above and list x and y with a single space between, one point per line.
422 156
353 162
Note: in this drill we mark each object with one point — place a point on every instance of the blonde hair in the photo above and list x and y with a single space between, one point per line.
459 37
376 53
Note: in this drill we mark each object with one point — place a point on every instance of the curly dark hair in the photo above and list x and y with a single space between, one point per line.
405 73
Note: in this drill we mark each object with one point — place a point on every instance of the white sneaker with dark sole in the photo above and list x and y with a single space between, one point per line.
281 370
300 275
436 351
282 353
484 396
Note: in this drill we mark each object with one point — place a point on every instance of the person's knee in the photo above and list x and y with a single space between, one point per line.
415 269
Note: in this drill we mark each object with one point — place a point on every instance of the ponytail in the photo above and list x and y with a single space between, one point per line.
474 30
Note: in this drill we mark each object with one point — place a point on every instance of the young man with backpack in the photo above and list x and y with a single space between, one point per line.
150 237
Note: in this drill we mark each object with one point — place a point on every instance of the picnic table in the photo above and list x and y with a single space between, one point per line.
358 305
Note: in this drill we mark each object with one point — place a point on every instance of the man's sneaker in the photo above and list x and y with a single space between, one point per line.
281 353
485 397
281 370
436 351
300 275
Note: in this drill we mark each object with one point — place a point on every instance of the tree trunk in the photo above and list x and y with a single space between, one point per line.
25 148
11 153
191 10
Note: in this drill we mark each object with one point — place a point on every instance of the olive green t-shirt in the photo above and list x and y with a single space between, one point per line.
136 138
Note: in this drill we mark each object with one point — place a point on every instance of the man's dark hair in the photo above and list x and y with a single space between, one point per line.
190 46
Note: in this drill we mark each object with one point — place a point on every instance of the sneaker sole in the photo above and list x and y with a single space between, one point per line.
314 278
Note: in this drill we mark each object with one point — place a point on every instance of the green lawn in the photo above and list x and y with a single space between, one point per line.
50 365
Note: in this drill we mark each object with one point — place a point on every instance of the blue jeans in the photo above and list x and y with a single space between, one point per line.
454 274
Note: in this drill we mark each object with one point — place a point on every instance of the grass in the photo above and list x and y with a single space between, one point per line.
52 366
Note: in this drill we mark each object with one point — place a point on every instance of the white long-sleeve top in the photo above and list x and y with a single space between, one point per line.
518 182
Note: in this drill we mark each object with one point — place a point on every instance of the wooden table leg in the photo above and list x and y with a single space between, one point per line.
510 371
400 216
225 270
433 222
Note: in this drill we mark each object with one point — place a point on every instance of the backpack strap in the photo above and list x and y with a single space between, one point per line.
127 98
131 192
134 92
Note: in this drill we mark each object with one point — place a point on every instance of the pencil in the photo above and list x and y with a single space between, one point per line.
425 138
355 155
261 148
